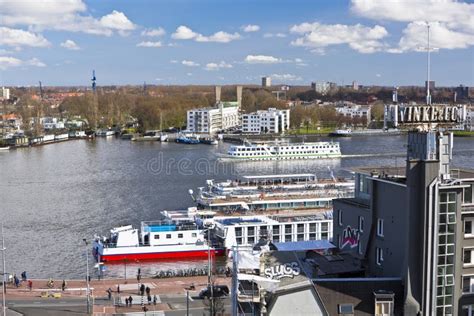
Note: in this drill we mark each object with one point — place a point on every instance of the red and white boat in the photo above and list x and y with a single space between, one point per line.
155 240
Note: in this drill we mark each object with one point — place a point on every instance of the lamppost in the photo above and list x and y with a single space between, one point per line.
87 277
4 285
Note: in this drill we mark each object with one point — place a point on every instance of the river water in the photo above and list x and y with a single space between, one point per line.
51 197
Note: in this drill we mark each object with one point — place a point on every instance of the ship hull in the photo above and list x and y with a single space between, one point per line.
157 255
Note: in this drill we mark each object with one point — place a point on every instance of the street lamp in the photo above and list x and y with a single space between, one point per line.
87 277
4 285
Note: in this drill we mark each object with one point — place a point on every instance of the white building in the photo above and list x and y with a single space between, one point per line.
224 115
323 87
469 123
51 123
271 121
266 81
352 110
5 93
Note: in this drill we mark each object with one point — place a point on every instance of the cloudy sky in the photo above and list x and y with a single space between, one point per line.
226 41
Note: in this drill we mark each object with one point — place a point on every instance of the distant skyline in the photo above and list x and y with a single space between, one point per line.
178 42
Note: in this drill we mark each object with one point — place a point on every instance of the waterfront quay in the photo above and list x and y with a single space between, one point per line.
171 297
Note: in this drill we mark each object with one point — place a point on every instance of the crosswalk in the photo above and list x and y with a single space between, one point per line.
137 299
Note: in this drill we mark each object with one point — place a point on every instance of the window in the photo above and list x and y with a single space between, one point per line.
379 256
361 224
467 194
468 228
468 258
168 236
180 235
468 284
194 234
380 227
346 309
157 236
339 217
384 305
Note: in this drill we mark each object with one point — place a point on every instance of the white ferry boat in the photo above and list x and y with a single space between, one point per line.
280 151
273 193
155 240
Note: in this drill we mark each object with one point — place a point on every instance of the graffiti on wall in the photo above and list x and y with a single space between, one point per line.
350 237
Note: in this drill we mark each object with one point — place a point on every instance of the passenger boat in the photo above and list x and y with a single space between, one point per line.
341 133
155 240
273 193
4 148
283 151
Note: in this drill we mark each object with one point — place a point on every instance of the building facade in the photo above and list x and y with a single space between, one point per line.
266 82
355 111
224 115
5 93
271 121
416 225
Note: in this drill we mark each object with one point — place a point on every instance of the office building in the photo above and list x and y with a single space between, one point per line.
271 121
266 82
5 93
224 115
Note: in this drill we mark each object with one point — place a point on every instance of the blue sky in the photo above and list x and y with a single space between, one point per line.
222 42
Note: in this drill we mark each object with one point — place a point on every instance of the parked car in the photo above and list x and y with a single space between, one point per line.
217 291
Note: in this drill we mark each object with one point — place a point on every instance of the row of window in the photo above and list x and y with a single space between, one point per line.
180 235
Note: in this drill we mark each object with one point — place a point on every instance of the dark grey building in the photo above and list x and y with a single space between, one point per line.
415 224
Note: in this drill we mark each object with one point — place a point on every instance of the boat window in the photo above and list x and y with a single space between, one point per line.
157 236
180 235
168 236
194 234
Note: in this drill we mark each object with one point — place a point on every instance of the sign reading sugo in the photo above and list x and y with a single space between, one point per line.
445 115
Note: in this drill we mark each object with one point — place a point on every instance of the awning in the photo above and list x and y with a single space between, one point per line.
304 245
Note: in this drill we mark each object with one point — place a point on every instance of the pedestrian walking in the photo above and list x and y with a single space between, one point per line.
154 299
126 302
23 276
147 290
149 299
30 285
109 293
118 288
16 280
63 285
142 289
130 300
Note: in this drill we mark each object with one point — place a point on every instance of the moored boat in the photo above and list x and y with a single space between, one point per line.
155 240
191 140
341 133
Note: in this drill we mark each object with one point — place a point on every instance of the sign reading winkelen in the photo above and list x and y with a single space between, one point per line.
421 115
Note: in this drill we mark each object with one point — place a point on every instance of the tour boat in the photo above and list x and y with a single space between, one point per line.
191 140
156 240
280 151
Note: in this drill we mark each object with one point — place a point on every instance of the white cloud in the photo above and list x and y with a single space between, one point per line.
17 38
154 32
452 22
62 15
8 62
189 63
70 44
150 44
286 77
250 28
270 35
359 37
185 33
414 38
174 61
262 59
217 66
